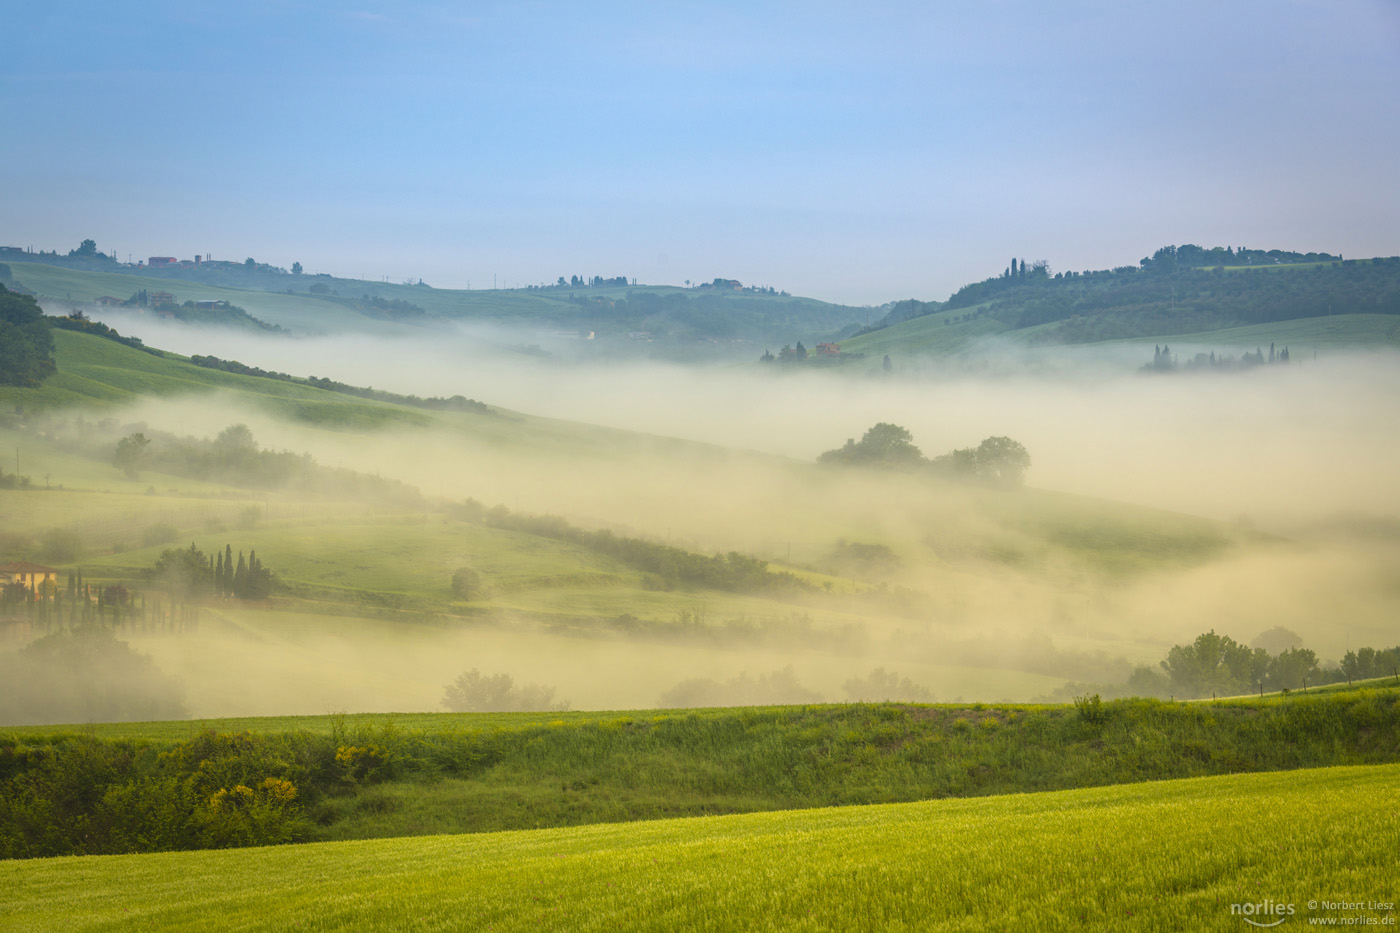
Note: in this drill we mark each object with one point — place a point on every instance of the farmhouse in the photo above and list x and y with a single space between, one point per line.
109 301
160 298
31 575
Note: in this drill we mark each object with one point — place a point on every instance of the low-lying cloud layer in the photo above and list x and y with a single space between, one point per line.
1160 506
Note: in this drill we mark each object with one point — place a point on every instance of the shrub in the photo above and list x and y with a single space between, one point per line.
466 583
1091 709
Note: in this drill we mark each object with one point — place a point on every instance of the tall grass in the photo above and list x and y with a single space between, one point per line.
356 779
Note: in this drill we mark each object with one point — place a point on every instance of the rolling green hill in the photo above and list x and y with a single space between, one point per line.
967 339
1187 854
630 316
366 536
1305 305
100 373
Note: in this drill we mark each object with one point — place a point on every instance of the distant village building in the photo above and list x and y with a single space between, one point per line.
31 575
211 303
161 261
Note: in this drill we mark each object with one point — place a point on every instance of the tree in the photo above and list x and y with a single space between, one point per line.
87 248
257 582
184 572
236 437
296 268
996 460
882 685
1002 460
1293 669
26 344
466 583
477 693
85 675
250 263
884 445
1215 664
1278 640
132 454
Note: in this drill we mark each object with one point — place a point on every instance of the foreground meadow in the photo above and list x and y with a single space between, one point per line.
1174 855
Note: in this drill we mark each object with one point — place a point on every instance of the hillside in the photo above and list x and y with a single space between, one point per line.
1306 304
460 773
909 572
624 317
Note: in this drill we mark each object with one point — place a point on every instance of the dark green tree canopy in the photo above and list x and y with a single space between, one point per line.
884 445
26 344
998 460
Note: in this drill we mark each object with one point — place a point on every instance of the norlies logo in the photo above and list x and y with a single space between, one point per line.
1270 913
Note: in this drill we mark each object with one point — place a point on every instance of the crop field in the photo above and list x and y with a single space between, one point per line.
1175 855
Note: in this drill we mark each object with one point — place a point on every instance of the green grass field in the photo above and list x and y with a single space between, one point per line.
98 373
1166 856
471 773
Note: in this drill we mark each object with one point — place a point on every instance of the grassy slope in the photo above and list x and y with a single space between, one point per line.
1165 856
485 772
98 373
929 336
304 313
1314 333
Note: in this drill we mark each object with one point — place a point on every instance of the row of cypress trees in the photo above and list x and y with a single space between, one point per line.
243 580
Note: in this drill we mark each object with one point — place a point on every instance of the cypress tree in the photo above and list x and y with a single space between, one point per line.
228 570
254 587
240 577
219 575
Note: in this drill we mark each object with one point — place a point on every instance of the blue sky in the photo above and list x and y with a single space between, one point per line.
858 153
